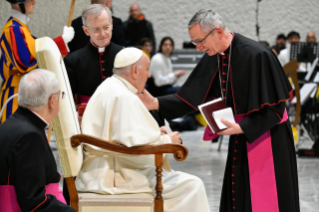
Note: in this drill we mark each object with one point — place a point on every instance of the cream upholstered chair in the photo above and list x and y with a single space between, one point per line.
69 139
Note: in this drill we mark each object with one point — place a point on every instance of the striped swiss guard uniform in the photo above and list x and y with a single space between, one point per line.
18 57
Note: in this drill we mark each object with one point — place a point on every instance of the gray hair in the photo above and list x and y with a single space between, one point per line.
126 70
207 19
94 9
36 88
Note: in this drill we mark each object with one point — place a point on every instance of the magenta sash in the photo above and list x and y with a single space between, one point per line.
83 99
263 188
8 197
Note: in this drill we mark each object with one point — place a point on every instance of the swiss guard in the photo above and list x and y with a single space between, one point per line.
18 51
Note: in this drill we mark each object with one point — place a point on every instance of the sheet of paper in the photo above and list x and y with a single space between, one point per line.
316 79
305 93
313 66
167 127
226 114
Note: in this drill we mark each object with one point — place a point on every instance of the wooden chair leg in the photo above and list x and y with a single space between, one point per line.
159 202
74 198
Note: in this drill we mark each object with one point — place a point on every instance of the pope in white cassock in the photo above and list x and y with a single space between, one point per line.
116 114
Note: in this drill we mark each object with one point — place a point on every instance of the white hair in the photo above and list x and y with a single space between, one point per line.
96 10
207 19
36 88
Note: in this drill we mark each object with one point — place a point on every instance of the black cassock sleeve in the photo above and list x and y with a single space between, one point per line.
170 107
28 170
259 122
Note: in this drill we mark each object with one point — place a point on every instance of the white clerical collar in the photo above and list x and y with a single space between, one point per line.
100 49
39 117
20 16
127 84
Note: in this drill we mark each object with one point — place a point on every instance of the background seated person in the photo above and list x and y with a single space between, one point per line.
162 70
284 55
29 179
146 46
115 113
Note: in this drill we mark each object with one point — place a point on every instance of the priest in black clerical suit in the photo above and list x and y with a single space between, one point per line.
261 169
88 67
29 180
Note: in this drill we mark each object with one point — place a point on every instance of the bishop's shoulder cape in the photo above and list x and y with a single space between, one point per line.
256 78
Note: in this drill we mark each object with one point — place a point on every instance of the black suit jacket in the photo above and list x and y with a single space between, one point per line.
25 152
135 30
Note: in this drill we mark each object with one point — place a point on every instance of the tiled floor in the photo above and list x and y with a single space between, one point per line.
207 163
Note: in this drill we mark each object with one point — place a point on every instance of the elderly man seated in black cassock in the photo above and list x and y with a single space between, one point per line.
29 179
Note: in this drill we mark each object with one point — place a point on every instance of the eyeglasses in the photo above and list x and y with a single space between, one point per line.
201 42
99 30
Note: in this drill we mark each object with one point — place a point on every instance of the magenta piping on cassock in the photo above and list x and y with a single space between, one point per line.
8 196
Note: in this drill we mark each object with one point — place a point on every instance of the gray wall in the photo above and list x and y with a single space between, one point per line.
170 17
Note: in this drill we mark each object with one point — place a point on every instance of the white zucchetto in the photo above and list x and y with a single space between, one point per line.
127 57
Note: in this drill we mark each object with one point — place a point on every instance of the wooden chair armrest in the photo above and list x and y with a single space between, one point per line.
180 151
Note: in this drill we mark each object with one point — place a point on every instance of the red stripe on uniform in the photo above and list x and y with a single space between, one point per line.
15 47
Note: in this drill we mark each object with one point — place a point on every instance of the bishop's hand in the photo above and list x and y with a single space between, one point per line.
150 102
232 128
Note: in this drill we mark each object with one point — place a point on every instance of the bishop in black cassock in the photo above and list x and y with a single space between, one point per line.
29 180
261 169
88 67
27 163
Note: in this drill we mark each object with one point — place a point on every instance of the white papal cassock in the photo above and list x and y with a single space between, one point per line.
116 114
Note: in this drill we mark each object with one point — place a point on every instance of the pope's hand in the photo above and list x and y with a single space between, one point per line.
232 128
163 130
175 137
150 102
68 34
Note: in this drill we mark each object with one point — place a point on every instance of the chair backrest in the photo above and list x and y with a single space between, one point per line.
7 102
66 124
